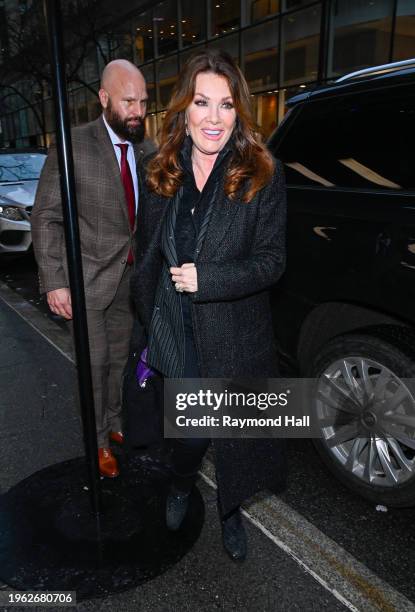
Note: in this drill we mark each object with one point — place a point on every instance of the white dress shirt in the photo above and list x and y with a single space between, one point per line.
130 156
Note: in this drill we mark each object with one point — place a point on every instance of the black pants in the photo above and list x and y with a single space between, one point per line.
187 453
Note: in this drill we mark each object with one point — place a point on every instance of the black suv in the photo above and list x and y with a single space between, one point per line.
345 309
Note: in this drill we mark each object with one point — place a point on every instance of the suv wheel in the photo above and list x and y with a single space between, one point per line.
364 404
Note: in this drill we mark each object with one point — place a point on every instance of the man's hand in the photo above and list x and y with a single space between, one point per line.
185 278
60 303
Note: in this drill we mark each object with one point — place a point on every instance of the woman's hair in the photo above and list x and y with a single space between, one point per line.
251 166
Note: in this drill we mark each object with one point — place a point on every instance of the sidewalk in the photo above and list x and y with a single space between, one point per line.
39 426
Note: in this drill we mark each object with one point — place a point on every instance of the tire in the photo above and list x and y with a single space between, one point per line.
368 441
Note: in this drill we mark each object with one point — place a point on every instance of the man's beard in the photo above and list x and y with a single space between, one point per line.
121 127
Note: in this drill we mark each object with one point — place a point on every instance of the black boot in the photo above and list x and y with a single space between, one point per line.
234 536
176 507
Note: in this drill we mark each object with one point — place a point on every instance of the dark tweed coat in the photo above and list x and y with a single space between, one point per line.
240 254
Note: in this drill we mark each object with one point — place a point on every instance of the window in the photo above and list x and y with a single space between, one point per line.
186 55
259 9
122 43
20 166
143 41
151 127
228 44
300 45
260 50
193 22
90 67
225 16
148 74
404 42
166 78
361 142
360 34
289 5
165 27
265 109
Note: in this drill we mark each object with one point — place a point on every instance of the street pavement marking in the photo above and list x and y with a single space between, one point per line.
48 329
349 581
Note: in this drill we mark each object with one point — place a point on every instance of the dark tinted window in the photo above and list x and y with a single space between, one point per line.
357 141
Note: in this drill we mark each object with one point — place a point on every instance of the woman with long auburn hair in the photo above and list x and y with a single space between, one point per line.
210 244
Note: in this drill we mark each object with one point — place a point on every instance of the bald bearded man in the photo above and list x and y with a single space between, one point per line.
106 154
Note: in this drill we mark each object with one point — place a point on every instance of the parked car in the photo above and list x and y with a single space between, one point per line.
345 309
19 176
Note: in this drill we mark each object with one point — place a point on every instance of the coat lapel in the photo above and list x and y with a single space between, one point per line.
139 156
109 159
168 243
216 223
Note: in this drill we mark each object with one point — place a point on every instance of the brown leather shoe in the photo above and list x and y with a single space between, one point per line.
117 436
108 465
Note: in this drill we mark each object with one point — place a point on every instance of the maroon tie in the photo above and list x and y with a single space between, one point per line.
127 181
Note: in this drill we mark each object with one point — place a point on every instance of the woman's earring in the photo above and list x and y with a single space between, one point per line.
186 129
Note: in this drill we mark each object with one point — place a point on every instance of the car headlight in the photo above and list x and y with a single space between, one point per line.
11 213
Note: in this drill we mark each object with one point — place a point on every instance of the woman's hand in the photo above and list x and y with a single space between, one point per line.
185 278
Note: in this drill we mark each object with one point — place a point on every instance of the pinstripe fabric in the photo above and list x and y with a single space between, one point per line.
166 333
168 244
205 222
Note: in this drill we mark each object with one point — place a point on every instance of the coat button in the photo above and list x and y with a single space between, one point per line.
123 261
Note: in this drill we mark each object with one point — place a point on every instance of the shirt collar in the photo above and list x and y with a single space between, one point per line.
115 139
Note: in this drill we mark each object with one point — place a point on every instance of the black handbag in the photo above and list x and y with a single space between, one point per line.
142 407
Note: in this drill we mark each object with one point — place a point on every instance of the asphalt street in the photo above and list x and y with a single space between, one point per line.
318 546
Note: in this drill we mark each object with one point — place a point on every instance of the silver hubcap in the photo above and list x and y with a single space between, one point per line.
367 419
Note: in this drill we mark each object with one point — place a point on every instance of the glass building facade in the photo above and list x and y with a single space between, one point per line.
281 46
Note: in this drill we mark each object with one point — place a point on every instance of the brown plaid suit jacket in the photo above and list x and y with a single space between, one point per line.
105 232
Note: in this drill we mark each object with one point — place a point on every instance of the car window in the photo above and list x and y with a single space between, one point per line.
20 166
356 141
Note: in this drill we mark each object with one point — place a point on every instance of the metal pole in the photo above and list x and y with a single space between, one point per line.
64 149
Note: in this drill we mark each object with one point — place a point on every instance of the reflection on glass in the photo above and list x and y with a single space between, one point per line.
165 27
148 73
228 44
225 16
259 9
404 42
260 48
368 174
312 176
151 127
265 109
364 141
183 57
360 35
193 22
90 70
143 38
166 78
300 45
21 167
121 43
288 5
